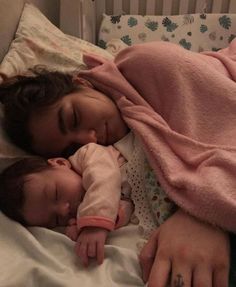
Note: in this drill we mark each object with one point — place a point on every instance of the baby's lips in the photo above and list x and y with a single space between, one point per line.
73 210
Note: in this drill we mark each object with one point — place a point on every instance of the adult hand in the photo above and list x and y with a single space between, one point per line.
90 244
186 252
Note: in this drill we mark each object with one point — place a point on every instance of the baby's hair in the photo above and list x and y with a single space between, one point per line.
22 95
12 181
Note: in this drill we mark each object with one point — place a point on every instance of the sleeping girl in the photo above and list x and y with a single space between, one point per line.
180 106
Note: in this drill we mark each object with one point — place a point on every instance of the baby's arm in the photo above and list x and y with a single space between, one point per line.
90 244
126 209
101 179
90 241
97 213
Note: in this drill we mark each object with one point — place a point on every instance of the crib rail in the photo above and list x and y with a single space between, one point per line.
165 7
82 17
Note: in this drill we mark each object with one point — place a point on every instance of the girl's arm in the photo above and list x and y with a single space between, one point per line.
185 250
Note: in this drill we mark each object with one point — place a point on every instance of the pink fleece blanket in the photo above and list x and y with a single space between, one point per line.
182 105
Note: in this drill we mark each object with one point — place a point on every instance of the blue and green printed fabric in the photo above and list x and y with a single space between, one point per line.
195 32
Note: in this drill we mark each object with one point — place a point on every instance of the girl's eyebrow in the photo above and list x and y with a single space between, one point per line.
61 123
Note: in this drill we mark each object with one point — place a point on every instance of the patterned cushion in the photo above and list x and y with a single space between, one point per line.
196 32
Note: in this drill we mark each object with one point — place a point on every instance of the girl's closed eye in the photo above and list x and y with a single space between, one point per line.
71 119
75 120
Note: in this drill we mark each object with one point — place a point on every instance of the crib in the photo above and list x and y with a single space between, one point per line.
82 18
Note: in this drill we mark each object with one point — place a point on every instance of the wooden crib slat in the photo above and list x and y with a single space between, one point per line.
150 7
183 7
117 7
88 12
216 6
71 17
134 7
232 6
200 6
100 6
167 7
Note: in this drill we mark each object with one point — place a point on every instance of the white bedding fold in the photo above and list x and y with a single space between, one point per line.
42 257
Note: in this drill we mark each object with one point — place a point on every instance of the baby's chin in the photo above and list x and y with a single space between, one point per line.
73 211
74 207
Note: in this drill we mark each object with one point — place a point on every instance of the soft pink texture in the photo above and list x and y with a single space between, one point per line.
182 105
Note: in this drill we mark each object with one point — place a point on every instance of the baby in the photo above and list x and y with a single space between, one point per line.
82 193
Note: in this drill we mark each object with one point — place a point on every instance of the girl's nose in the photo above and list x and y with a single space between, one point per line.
86 136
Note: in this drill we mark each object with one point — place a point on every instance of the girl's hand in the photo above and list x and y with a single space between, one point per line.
90 244
186 252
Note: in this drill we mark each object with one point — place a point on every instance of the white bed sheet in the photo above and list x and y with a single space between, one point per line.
42 257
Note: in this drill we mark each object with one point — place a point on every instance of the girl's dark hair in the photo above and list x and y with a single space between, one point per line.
12 181
23 95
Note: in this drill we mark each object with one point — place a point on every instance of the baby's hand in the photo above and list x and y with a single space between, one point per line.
126 209
90 244
72 230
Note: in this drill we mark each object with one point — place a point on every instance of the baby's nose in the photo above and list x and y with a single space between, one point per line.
64 210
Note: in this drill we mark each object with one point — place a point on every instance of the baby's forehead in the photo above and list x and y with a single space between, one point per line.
34 185
36 203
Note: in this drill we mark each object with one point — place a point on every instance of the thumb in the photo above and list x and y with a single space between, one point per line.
93 61
147 255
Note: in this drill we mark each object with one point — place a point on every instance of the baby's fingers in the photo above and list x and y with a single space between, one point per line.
81 249
92 249
100 252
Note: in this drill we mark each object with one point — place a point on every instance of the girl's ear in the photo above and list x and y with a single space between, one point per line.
82 82
59 162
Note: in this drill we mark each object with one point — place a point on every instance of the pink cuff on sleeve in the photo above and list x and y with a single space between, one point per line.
96 221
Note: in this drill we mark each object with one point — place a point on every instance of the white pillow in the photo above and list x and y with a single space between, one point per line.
38 41
196 32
